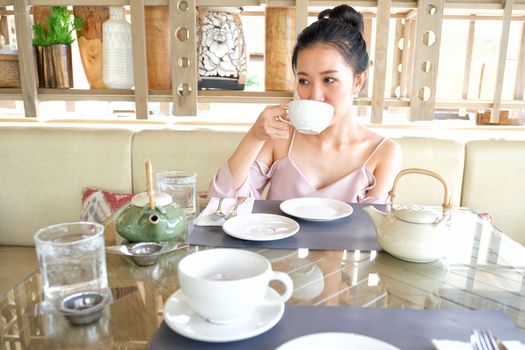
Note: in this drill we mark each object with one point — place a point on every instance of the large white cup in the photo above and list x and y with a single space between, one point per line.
310 116
222 285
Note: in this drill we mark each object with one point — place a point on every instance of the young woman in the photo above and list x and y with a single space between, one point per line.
346 161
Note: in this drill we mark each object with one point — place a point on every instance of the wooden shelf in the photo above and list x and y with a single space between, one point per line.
229 96
491 9
460 4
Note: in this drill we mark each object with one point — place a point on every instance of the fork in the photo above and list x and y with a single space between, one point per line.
238 202
218 214
481 339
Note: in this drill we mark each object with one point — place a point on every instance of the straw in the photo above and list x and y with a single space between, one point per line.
149 182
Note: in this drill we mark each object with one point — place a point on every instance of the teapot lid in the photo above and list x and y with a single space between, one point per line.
160 199
417 215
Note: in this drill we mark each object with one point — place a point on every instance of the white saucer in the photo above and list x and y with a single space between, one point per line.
260 227
183 320
335 341
316 209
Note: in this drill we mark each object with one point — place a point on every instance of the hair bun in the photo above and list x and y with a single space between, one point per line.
344 14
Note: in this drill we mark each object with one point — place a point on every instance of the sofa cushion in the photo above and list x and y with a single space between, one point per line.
45 169
198 150
494 183
445 157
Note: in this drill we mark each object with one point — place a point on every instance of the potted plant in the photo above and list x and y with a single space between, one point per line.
52 44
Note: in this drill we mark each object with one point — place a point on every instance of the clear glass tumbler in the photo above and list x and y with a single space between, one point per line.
180 185
71 258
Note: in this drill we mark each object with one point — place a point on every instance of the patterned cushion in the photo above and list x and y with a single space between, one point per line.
99 205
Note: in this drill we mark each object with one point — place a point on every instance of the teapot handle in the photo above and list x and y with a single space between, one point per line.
392 193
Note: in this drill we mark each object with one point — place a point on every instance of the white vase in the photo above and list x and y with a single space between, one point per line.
117 55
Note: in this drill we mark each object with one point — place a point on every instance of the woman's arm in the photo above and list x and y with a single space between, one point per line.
388 164
257 143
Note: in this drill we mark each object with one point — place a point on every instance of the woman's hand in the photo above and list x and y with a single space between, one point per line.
268 126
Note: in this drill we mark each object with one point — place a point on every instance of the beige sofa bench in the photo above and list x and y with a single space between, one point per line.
45 168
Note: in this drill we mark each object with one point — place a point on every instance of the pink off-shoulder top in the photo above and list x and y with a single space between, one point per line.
286 181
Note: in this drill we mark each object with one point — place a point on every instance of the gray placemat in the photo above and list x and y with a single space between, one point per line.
404 328
353 232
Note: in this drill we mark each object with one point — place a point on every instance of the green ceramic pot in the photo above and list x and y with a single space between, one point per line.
139 223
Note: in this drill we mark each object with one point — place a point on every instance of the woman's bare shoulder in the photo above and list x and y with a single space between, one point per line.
274 150
388 145
391 145
388 149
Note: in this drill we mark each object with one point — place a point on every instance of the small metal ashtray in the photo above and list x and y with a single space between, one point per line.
83 307
145 253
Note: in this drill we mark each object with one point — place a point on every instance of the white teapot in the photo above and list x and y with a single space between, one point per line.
418 233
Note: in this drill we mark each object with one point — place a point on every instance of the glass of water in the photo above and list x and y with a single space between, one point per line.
180 185
72 258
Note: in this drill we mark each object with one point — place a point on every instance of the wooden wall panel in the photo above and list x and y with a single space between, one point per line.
280 38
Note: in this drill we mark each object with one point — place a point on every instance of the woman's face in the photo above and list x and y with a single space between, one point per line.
324 75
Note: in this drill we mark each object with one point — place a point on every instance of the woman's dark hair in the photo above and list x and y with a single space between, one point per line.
340 27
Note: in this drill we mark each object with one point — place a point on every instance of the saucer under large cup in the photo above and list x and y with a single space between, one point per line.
186 322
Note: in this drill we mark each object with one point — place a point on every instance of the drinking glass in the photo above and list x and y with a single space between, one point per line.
180 185
72 258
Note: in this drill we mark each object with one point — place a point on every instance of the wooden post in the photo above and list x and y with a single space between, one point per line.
426 59
26 59
183 57
301 22
301 15
468 58
367 35
408 56
382 29
500 75
138 45
520 74
398 59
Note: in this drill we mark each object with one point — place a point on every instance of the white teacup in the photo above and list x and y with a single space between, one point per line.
222 285
309 116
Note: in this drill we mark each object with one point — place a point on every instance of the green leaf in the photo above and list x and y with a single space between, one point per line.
61 26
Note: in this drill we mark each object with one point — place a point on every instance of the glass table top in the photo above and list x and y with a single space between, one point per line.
483 270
